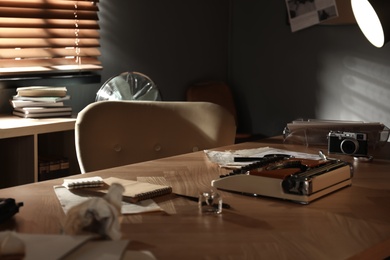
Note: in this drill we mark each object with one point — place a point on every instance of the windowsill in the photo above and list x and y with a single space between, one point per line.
49 79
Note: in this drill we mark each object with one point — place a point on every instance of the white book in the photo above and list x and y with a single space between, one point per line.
42 99
42 91
27 103
40 110
42 115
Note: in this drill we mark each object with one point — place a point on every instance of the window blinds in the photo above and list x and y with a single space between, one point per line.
39 36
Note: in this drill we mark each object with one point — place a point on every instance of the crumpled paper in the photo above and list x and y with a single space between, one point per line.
98 215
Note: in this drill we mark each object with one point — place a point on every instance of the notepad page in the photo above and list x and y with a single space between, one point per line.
134 189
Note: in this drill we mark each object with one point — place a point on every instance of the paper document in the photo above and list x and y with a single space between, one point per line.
226 159
47 246
305 13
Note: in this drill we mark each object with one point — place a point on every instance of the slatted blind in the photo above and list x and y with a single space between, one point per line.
48 35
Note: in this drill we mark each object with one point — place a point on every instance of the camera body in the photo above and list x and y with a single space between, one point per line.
348 143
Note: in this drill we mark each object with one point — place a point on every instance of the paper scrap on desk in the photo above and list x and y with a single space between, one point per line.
226 159
68 199
99 249
11 245
45 246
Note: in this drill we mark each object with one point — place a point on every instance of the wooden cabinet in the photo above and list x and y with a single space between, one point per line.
23 141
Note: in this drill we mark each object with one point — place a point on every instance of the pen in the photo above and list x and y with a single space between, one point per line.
247 159
224 205
253 159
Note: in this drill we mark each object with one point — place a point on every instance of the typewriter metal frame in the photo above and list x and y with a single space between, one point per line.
291 181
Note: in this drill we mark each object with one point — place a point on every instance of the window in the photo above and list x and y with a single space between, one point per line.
39 36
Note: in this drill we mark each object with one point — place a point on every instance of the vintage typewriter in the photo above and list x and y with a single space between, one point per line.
295 179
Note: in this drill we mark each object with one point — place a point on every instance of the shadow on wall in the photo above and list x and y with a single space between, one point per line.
364 93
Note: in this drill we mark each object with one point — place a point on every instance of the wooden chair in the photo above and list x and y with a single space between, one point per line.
218 92
115 133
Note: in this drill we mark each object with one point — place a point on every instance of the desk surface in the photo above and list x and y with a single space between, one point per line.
338 226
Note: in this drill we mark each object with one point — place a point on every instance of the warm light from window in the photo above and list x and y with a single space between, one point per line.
43 35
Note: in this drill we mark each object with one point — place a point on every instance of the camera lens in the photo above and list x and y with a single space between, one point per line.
349 146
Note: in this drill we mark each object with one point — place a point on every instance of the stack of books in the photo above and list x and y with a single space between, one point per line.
40 102
52 167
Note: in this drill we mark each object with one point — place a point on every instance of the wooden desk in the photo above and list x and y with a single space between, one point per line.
338 226
22 139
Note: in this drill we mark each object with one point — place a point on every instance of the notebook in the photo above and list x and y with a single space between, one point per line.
134 190
83 183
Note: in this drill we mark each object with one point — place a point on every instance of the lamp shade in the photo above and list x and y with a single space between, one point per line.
373 18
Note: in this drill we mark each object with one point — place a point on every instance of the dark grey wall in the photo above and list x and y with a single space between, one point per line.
324 72
174 42
328 72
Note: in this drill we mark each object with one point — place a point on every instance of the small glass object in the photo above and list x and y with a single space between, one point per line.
210 202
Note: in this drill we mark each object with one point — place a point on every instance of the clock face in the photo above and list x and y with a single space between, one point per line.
129 86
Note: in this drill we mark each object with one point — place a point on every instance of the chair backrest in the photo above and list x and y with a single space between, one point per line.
216 92
115 133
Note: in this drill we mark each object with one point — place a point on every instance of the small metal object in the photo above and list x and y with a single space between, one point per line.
322 155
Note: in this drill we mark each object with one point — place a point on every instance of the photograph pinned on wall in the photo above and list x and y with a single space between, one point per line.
305 13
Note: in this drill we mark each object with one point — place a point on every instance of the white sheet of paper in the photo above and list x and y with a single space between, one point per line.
226 159
305 13
43 246
102 250
48 246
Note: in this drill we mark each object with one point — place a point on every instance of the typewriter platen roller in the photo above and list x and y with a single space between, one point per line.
295 179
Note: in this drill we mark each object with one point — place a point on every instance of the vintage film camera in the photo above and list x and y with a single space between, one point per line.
349 143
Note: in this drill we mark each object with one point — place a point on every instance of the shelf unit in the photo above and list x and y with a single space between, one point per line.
23 140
